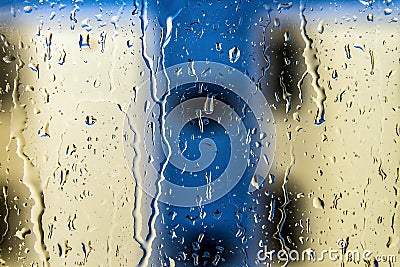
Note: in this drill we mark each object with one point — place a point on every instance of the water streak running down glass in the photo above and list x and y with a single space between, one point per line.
199 133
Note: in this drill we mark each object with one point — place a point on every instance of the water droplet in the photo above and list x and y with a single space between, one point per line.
208 107
220 249
84 42
216 259
387 11
277 23
286 36
115 19
21 234
320 27
195 257
63 55
367 3
271 179
52 15
234 54
28 9
257 181
217 214
99 17
334 74
196 246
200 237
90 120
285 6
13 13
8 59
96 83
44 131
29 88
318 203
218 46
102 41
347 50
370 17
85 25
33 67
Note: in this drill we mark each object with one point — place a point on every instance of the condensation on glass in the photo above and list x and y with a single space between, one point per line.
87 145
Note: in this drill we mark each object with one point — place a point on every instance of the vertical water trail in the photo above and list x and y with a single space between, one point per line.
165 39
137 226
312 64
137 192
265 48
281 223
113 64
299 84
5 220
147 59
285 94
31 177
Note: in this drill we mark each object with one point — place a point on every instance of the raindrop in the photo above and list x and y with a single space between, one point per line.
387 11
85 25
287 37
63 55
52 15
200 237
320 27
28 9
102 41
96 83
90 120
13 12
277 23
99 17
196 246
334 74
347 50
209 105
318 203
33 67
199 117
114 20
218 46
234 54
367 3
285 6
257 181
216 259
44 131
84 43
220 249
21 234
217 214
195 257
370 17
271 178
8 59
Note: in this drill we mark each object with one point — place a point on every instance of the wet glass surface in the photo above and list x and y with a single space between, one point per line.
199 133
